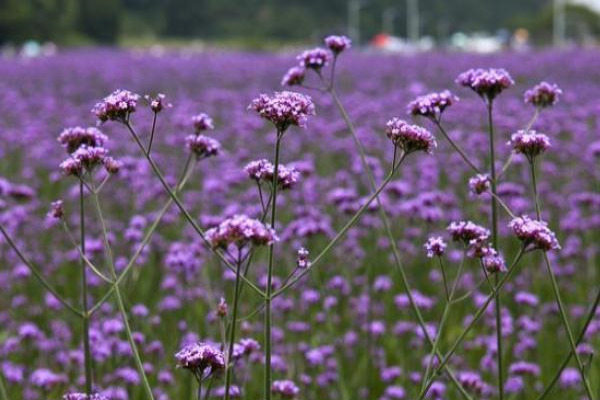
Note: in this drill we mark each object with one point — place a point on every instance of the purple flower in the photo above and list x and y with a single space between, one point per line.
117 106
294 76
479 184
285 388
529 143
570 378
493 263
83 396
524 368
85 158
46 379
284 109
202 122
471 381
73 138
56 210
466 231
202 146
240 230
408 137
543 95
315 59
264 171
337 44
302 261
487 83
157 104
432 105
200 358
435 246
534 233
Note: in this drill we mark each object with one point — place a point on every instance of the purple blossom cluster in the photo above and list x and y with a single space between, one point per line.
543 95
117 106
201 359
487 83
263 171
534 233
432 105
410 138
529 143
240 231
284 109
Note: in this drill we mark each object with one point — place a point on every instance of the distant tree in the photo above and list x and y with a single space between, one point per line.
100 19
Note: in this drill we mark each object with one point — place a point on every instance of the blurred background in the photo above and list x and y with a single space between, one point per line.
33 26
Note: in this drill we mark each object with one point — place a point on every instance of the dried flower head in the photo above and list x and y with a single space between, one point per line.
117 106
409 137
480 183
529 143
240 230
203 146
435 246
73 138
534 233
315 58
284 109
294 76
337 44
432 105
202 122
543 95
487 83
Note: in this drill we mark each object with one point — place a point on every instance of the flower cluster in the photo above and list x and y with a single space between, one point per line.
117 106
409 137
264 171
534 233
337 44
202 122
543 95
529 143
284 109
83 396
201 359
315 58
56 210
487 83
466 231
432 105
479 184
302 261
493 262
158 103
294 76
202 146
285 388
87 158
435 246
240 230
73 138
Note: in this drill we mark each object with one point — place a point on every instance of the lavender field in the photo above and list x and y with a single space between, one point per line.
343 260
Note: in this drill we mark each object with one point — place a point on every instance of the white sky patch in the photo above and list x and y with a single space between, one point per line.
592 4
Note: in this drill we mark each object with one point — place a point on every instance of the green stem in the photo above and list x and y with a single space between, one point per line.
474 321
563 365
494 203
109 258
229 365
85 320
443 269
39 276
456 147
3 394
152 134
185 213
267 327
556 290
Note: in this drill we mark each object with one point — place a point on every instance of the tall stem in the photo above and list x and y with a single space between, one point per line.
236 293
109 256
456 147
267 328
494 203
84 300
556 290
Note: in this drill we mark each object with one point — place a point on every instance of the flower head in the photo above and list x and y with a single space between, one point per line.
410 137
337 44
240 230
264 171
302 261
83 396
487 83
203 146
432 105
479 184
201 359
294 76
534 233
529 143
435 246
284 109
158 103
117 106
202 122
285 388
315 59
73 138
56 210
494 263
84 158
466 231
543 95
